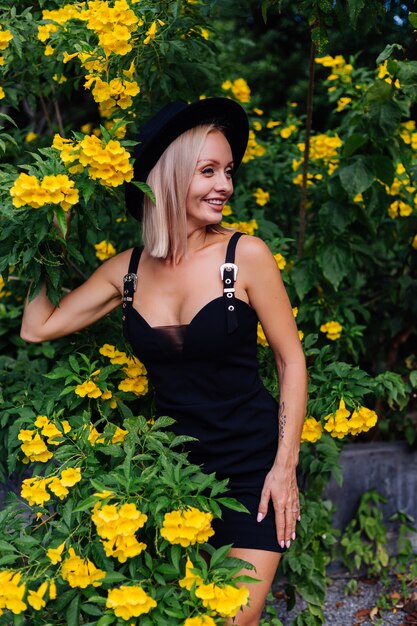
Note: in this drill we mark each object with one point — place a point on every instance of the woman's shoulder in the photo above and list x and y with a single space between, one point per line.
254 249
116 267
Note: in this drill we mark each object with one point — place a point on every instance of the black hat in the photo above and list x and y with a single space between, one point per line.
173 120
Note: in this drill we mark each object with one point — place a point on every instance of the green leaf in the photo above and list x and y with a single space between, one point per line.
384 169
108 618
304 276
146 190
233 504
353 142
61 218
389 49
355 8
72 613
357 177
335 262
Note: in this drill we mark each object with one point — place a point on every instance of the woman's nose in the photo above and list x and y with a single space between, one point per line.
223 182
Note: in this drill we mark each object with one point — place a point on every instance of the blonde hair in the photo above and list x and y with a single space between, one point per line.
164 224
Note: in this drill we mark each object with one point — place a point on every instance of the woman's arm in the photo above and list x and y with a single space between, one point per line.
269 298
99 295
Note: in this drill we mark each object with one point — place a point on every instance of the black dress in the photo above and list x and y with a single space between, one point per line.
205 375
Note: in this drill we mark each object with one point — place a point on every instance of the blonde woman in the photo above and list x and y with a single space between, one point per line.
192 298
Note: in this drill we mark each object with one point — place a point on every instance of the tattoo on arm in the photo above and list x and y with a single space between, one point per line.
282 418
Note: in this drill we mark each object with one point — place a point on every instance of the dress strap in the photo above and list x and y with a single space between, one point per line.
130 279
228 273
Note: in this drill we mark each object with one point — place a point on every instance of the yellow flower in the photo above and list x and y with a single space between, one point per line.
190 579
70 476
5 38
312 430
225 600
108 163
342 103
94 436
261 196
57 488
89 389
119 435
332 329
337 424
35 598
52 590
80 572
36 449
398 207
129 601
258 111
414 242
288 131
362 420
322 147
55 554
253 149
243 227
281 262
30 136
273 123
239 88
12 592
49 50
138 385
151 32
187 527
200 620
104 250
261 339
117 526
34 491
59 189
227 210
257 125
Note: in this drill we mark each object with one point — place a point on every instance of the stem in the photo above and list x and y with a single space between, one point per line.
59 118
46 114
303 198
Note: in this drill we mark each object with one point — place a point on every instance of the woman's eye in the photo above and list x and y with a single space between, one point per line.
229 173
208 170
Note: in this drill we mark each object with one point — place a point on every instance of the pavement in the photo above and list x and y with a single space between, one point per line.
360 608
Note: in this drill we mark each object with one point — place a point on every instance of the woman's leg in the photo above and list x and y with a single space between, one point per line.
266 564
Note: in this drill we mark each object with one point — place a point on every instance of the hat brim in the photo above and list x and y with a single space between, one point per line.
223 111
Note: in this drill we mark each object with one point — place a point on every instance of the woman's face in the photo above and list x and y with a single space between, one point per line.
211 185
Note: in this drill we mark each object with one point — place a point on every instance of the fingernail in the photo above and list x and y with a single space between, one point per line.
293 536
299 518
282 544
288 543
259 517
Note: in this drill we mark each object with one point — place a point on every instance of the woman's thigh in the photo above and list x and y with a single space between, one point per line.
266 564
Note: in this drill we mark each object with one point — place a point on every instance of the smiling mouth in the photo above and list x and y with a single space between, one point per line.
215 203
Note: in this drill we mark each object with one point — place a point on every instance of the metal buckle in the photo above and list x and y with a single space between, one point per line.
128 278
228 267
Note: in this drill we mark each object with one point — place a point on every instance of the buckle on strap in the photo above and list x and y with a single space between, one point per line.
228 267
130 278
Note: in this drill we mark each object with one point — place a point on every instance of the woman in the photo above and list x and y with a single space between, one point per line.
195 327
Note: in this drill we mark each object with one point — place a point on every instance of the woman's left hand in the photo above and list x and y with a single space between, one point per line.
281 487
